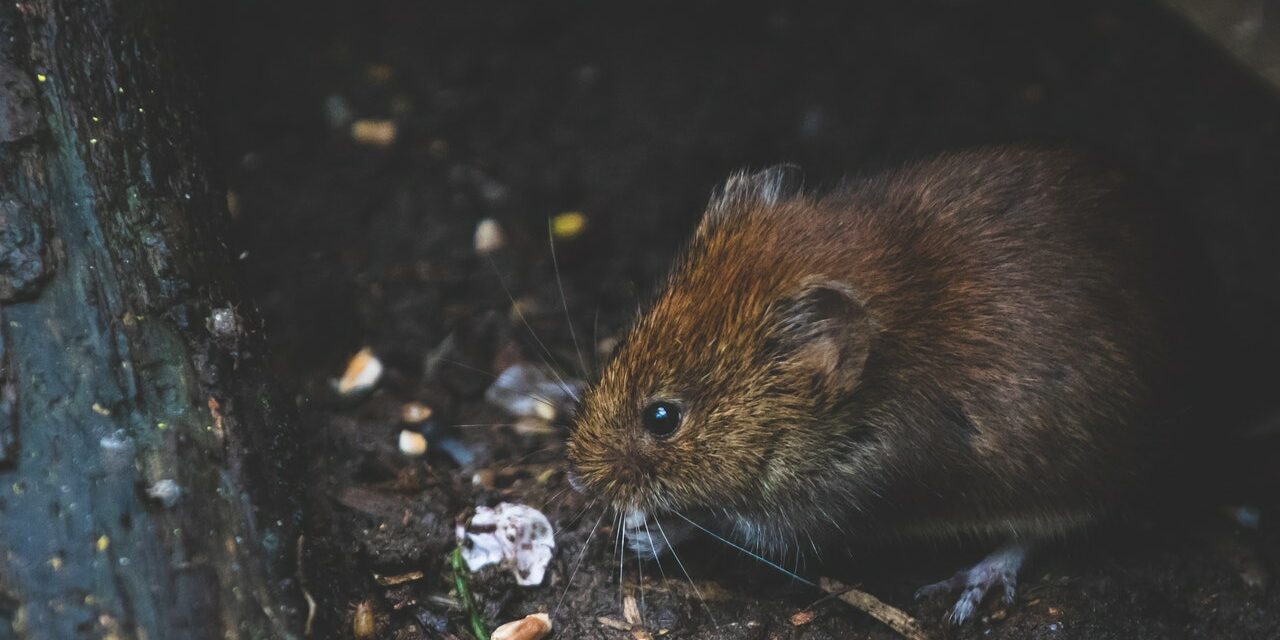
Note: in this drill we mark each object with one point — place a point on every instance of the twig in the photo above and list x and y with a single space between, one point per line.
893 617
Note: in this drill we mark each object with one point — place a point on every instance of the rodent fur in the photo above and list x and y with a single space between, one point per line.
973 345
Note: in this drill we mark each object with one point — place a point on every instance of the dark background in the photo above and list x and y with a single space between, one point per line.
631 114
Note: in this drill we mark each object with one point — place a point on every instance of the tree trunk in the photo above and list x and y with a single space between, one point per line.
147 470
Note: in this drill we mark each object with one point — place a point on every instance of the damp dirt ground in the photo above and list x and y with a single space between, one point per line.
519 111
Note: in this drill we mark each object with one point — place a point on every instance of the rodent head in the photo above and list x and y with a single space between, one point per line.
723 395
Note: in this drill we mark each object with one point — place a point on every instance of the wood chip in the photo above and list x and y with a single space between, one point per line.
801 618
894 618
533 627
391 581
631 610
613 623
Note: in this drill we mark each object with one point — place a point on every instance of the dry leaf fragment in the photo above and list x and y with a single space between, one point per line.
801 618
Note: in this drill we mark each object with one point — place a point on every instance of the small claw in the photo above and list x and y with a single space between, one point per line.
998 569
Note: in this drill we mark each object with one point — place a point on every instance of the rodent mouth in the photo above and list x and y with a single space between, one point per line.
646 536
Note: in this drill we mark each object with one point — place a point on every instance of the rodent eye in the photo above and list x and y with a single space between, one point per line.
661 418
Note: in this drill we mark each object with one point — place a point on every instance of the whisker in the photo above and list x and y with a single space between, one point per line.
680 564
520 314
654 547
577 565
746 551
575 518
490 374
640 575
564 302
622 558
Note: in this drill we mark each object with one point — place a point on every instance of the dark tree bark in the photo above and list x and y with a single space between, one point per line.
146 468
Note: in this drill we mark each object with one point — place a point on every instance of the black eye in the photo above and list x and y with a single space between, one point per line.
661 418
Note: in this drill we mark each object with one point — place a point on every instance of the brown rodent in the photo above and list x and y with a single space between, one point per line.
971 346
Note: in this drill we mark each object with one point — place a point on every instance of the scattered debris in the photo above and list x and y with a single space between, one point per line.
166 492
363 622
894 618
458 450
613 623
224 324
568 225
337 112
489 237
414 413
514 535
524 390
412 443
375 133
631 610
801 618
391 581
532 627
1246 516
363 372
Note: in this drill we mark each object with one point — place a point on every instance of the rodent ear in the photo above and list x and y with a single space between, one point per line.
825 330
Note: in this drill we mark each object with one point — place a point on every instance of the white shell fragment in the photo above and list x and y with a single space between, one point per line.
515 536
526 391
363 372
533 627
488 237
412 443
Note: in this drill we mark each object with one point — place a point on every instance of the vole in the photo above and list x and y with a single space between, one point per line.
972 346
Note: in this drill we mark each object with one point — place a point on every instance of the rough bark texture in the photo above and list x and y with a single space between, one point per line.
144 461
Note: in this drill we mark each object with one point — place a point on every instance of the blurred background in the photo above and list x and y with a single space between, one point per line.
363 143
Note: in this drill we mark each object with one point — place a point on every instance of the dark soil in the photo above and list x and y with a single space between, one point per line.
521 110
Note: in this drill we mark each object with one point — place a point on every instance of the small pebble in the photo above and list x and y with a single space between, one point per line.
488 237
414 413
412 443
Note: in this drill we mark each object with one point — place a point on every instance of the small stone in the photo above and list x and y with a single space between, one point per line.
488 237
414 413
412 443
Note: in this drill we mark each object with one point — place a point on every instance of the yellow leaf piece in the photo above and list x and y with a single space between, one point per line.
568 224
